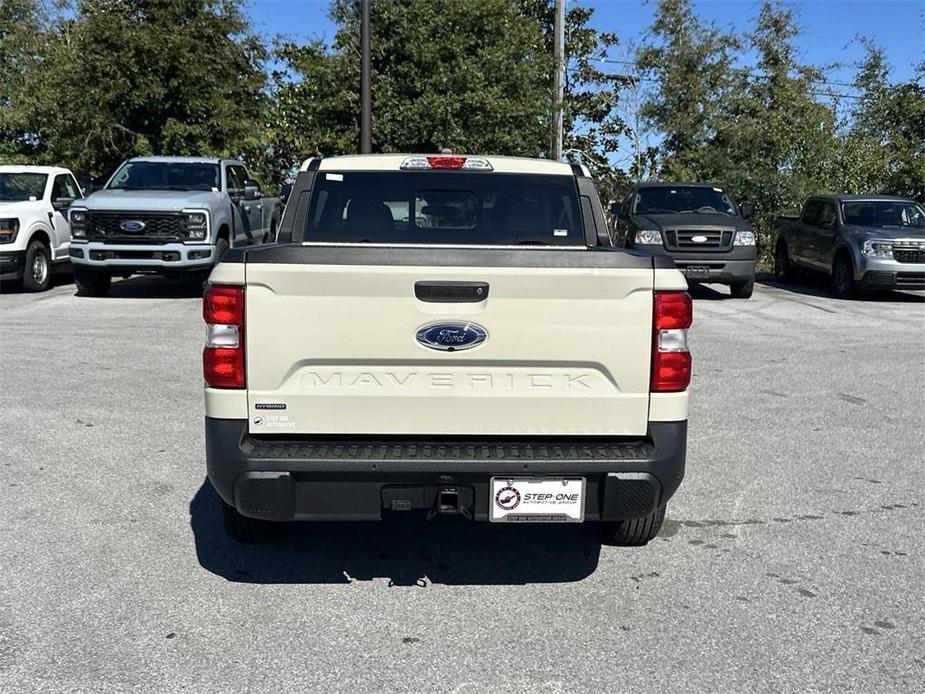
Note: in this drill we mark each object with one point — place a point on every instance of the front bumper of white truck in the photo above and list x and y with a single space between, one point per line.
130 258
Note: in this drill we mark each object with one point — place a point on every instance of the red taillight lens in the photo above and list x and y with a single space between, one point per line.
223 305
223 356
672 315
223 367
673 311
445 162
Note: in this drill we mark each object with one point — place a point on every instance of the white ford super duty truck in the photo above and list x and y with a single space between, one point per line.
169 216
34 230
449 333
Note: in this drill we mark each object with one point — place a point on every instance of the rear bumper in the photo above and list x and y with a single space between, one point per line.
123 258
354 478
11 264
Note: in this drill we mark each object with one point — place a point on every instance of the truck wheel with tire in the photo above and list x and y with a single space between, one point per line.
244 529
635 532
742 290
843 283
783 270
36 274
92 282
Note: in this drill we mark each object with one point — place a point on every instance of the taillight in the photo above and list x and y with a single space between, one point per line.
223 356
672 315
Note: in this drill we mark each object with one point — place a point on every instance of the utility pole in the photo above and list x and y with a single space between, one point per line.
559 39
366 115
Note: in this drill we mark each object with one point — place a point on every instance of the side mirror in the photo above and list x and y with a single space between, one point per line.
61 204
87 185
285 191
747 209
252 190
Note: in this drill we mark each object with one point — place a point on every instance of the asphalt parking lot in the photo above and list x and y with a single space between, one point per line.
793 557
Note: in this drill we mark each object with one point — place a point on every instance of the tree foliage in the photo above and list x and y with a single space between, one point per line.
89 83
121 77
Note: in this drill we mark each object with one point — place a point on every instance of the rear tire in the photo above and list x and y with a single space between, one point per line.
36 272
783 270
843 283
92 282
742 290
241 528
635 532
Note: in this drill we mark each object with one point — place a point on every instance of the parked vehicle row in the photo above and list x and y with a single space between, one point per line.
859 242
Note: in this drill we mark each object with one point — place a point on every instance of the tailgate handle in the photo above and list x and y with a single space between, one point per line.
451 292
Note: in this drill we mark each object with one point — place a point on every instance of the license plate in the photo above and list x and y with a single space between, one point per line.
537 499
696 271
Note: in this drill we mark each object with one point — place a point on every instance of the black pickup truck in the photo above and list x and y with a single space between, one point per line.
697 225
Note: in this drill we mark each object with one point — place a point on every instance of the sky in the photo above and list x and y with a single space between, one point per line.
830 28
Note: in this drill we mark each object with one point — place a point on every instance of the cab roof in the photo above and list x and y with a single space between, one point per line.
393 162
184 160
48 170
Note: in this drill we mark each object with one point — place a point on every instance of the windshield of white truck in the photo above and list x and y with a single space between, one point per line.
151 175
883 213
21 187
682 200
444 208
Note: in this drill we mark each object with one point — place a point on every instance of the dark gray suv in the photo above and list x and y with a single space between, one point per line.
697 225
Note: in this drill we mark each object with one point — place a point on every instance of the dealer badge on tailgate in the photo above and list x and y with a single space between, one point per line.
537 500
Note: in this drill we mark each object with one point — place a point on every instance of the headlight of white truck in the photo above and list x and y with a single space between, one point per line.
8 229
197 225
649 237
744 238
878 249
78 219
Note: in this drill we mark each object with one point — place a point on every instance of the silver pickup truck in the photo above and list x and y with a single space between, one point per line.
862 242
167 215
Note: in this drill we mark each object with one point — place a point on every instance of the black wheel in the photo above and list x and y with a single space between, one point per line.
92 282
36 272
783 270
742 290
243 529
635 532
221 247
843 283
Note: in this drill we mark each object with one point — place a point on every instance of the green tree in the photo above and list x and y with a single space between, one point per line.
691 65
23 46
473 76
146 77
884 148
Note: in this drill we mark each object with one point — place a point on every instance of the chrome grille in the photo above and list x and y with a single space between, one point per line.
683 239
160 227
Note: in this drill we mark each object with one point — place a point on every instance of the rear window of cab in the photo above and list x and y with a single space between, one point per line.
444 208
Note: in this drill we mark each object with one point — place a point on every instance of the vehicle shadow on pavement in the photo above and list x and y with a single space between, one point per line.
155 287
810 285
405 549
711 293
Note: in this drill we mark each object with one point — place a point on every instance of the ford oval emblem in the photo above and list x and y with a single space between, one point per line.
698 239
132 225
451 336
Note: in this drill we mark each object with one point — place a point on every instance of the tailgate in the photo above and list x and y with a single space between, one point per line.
333 346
